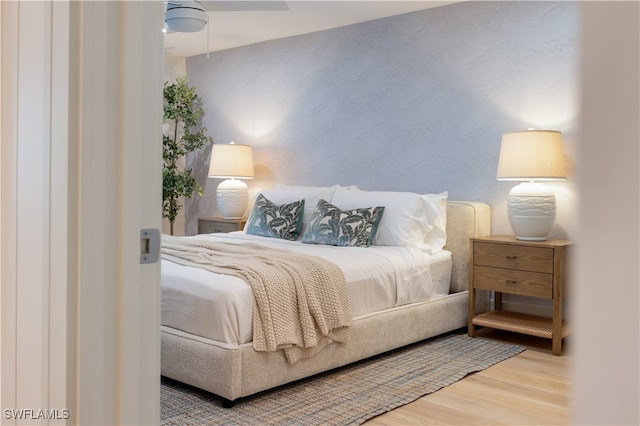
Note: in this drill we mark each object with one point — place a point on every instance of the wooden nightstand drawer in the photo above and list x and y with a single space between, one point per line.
524 258
524 283
217 225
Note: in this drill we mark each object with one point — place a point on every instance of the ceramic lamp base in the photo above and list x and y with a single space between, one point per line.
232 198
531 208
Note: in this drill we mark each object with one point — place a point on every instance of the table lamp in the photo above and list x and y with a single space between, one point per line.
531 156
231 162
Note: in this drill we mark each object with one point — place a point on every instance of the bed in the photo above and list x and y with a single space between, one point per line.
221 358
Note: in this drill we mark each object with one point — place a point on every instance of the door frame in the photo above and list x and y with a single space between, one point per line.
80 170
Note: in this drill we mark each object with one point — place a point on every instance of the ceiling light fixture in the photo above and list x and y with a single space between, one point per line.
185 16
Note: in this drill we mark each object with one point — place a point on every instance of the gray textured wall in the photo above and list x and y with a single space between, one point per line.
416 102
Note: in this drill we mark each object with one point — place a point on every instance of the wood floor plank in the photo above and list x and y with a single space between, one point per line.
543 380
522 402
551 395
532 387
442 413
472 410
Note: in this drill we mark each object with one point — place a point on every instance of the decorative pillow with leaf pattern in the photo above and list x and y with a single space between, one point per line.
269 220
331 226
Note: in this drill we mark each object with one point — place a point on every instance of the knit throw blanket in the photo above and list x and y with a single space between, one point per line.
300 301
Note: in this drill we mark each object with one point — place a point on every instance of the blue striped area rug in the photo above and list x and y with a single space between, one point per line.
348 395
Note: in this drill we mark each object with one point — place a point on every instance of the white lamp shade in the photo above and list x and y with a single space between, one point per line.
532 155
231 161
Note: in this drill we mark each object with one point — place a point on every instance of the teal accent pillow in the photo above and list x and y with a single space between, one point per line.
269 220
331 226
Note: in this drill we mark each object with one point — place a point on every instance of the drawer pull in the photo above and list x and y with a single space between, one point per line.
511 281
512 257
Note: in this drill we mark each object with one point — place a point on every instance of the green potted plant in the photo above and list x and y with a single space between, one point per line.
185 133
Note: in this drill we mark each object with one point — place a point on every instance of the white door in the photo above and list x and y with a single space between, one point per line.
80 176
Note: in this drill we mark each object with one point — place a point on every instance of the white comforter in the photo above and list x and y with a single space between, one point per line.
220 307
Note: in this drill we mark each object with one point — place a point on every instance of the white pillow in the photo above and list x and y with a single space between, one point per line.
300 188
409 219
283 187
284 194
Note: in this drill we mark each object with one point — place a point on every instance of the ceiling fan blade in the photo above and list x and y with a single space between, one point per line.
243 6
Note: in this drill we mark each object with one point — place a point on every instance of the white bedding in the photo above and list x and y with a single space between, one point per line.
220 307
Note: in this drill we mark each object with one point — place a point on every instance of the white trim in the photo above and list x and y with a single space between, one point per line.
98 216
8 211
141 118
61 385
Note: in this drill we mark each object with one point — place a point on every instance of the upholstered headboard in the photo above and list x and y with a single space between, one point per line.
465 219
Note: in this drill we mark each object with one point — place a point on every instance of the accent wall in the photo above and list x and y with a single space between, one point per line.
415 102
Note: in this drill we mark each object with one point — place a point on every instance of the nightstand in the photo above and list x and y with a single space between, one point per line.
504 264
211 225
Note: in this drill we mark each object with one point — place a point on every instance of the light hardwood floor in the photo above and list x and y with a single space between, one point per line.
533 387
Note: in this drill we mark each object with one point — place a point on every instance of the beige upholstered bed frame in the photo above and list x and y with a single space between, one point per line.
235 372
